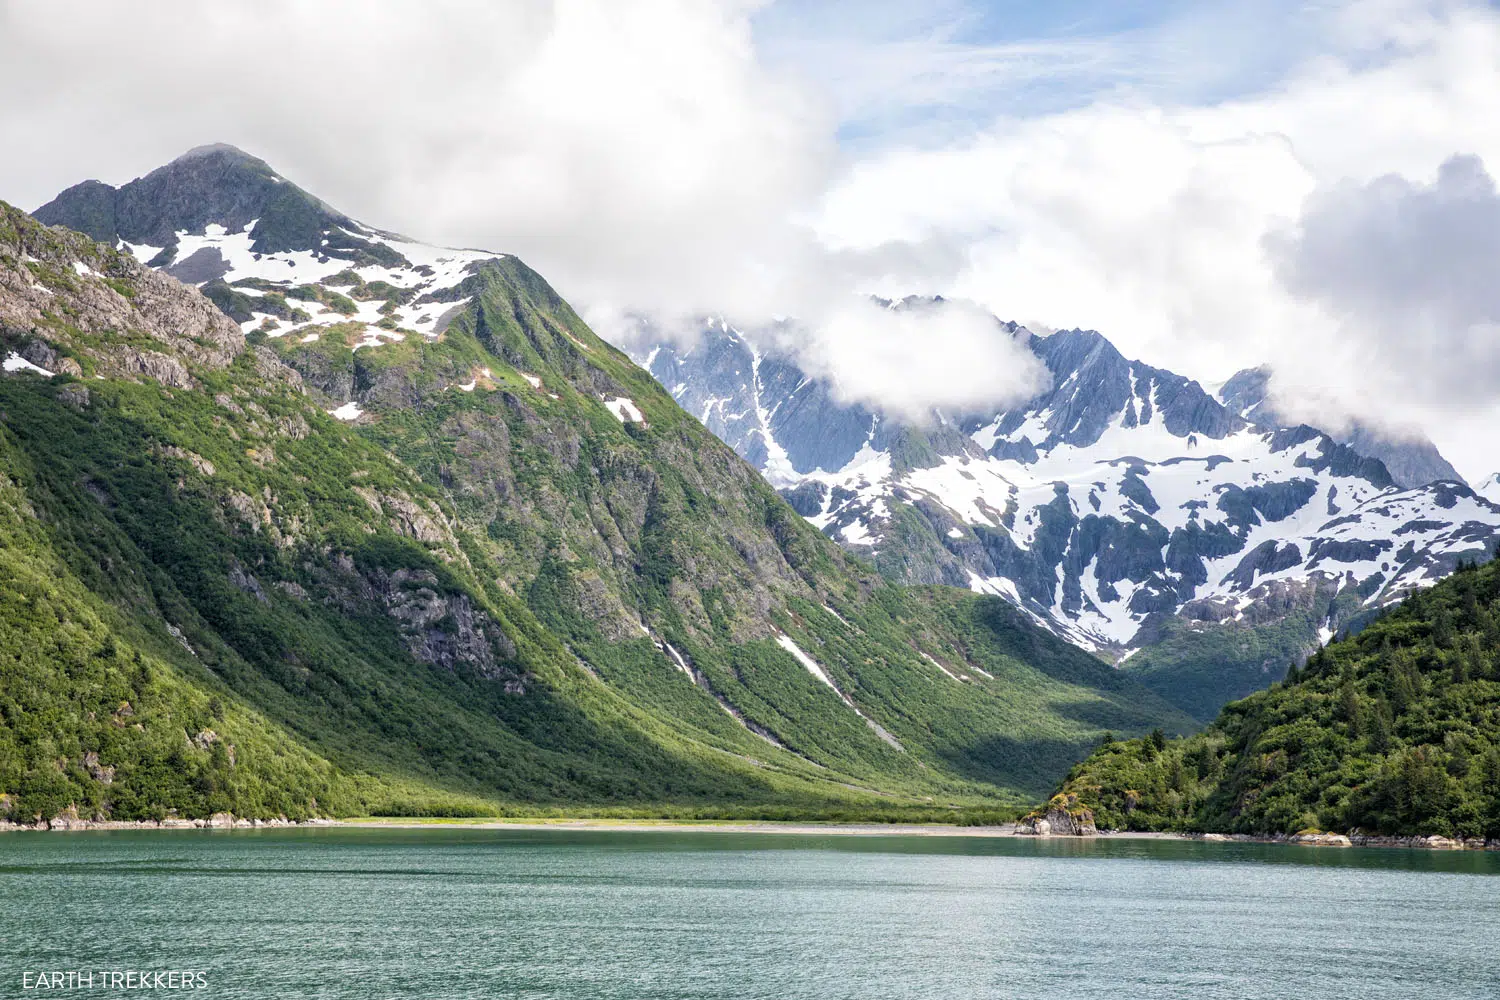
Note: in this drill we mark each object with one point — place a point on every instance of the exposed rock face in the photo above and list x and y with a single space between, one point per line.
101 773
153 365
76 396
210 184
108 295
248 583
1064 816
197 461
1093 384
410 519
1119 502
445 629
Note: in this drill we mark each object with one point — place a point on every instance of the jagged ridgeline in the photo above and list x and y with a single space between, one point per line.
1198 540
1394 732
443 550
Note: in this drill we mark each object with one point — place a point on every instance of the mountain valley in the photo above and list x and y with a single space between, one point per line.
368 526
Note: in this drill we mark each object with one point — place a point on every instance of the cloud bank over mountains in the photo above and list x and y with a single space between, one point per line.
649 156
1410 272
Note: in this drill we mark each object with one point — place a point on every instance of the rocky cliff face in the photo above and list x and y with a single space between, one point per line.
132 321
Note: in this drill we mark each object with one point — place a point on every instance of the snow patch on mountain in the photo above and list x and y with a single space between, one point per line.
15 363
427 275
624 410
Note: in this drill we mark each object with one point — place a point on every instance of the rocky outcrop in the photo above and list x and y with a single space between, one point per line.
102 773
1411 460
1355 838
445 629
1315 838
1063 816
70 820
74 297
1431 842
75 396
130 362
247 582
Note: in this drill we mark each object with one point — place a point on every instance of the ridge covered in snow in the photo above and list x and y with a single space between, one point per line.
417 289
1120 495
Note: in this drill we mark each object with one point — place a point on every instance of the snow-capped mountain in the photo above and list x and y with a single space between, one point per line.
520 511
1118 507
271 255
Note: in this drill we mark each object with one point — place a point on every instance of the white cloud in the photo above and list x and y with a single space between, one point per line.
905 360
1406 273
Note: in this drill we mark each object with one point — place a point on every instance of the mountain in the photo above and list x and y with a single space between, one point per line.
215 185
1489 487
1124 508
1412 462
1395 731
410 538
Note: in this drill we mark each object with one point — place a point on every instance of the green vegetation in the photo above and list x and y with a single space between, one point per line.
1200 668
1395 731
317 293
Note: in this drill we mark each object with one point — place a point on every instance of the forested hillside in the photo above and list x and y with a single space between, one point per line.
1393 731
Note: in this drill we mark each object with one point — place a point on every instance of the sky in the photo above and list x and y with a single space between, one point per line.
1213 185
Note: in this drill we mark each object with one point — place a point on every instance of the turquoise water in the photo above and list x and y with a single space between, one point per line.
439 913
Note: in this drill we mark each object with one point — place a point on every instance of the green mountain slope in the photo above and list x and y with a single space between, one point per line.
488 592
1395 731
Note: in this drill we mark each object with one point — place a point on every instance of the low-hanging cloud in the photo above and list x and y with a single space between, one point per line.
1153 221
908 359
1411 273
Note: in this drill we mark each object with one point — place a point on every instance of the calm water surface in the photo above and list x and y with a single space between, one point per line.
508 913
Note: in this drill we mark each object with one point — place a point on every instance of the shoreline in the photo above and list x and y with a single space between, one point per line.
225 822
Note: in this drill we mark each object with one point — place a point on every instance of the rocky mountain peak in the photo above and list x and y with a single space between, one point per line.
215 185
1246 390
1094 387
1411 459
217 149
528 536
1124 507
